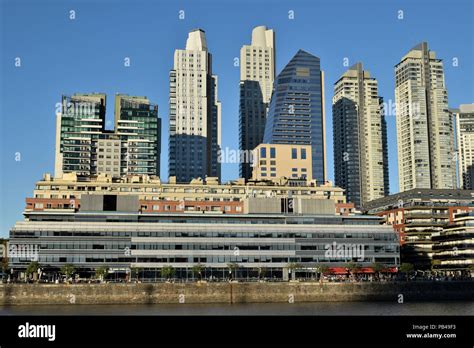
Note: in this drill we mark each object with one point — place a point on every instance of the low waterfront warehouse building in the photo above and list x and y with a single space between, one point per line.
274 235
199 195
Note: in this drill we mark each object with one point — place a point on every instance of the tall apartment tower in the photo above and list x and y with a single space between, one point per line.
195 113
80 120
139 128
296 111
425 131
464 117
360 137
257 74
85 147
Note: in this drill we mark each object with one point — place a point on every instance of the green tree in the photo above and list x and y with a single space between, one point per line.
378 268
322 269
353 268
262 271
101 272
32 269
135 273
68 270
4 265
293 267
197 270
168 272
406 268
470 270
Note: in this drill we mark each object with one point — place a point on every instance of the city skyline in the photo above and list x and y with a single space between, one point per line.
39 159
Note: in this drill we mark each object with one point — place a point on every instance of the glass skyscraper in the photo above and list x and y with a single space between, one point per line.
139 127
296 112
80 121
85 147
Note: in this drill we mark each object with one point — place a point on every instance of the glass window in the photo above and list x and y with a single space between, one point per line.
272 152
263 152
294 153
303 153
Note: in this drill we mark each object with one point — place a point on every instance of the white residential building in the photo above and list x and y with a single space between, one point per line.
425 131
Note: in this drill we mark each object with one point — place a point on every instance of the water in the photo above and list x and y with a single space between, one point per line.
314 308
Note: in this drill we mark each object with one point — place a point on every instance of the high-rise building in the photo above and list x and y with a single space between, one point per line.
138 126
257 74
84 146
360 137
296 111
80 121
464 117
425 131
195 113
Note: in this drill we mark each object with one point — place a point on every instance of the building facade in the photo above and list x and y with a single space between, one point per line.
84 146
198 196
296 112
110 231
276 161
80 121
139 129
195 113
360 137
454 245
257 74
417 216
464 117
425 131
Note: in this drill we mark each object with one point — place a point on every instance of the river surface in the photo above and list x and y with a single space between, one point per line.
314 308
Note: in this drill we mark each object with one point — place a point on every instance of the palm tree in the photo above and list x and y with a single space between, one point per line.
32 269
197 270
167 272
68 270
101 272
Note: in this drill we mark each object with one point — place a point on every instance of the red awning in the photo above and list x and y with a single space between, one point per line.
366 270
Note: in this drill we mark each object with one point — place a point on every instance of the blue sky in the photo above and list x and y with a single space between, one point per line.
63 56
